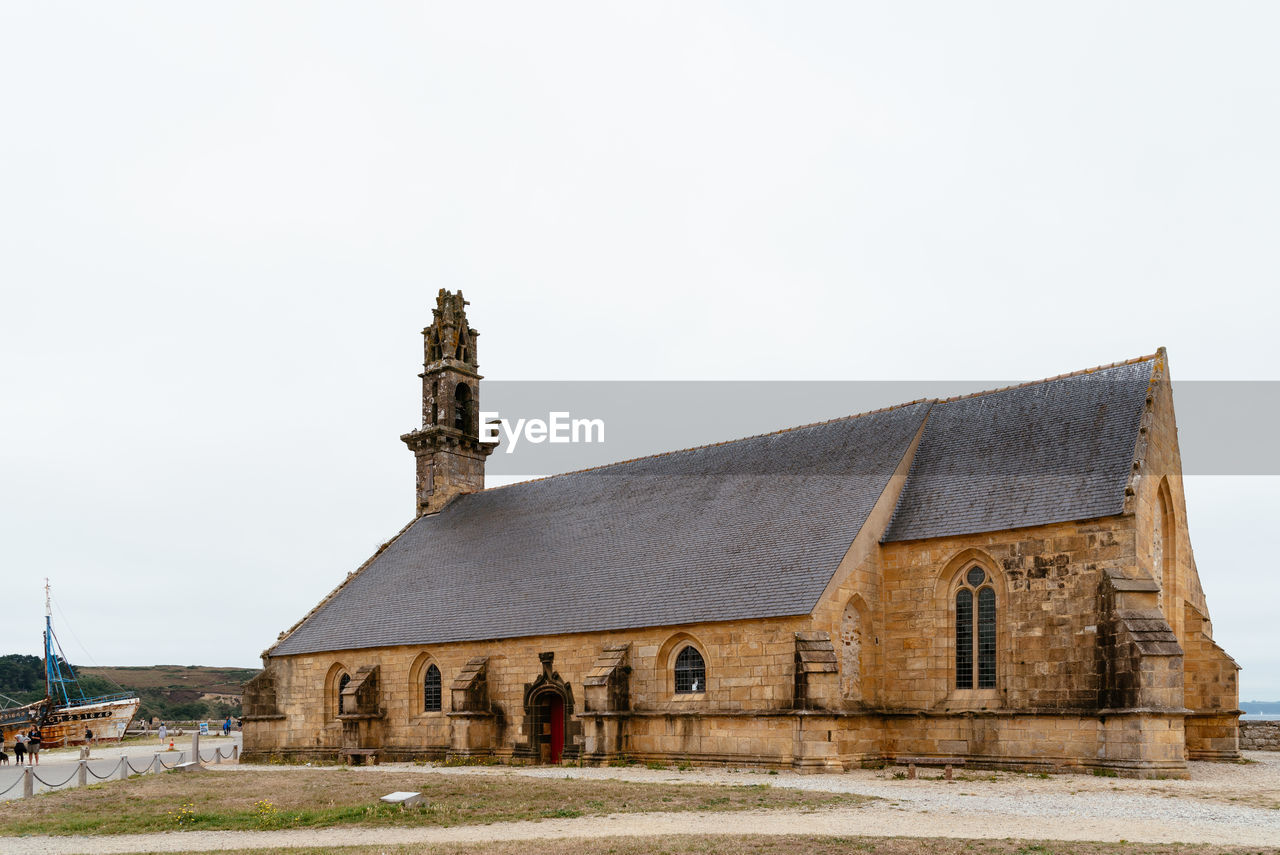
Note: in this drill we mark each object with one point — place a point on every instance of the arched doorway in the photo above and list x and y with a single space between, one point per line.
551 731
549 726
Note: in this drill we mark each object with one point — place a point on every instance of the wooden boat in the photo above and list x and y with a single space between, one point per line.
65 714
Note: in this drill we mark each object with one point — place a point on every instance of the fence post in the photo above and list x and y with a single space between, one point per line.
155 763
124 768
235 753
84 753
81 773
28 783
195 746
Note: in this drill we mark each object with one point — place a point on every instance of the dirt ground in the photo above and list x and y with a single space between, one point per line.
1221 805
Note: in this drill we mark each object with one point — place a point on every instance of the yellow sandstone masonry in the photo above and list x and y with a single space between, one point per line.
1101 656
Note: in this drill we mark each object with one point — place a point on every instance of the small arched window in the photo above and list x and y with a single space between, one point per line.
691 672
431 690
975 630
462 408
342 684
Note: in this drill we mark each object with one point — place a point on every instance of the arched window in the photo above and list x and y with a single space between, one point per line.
462 407
342 684
431 690
691 672
975 630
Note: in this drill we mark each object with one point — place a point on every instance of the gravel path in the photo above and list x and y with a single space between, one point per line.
1212 807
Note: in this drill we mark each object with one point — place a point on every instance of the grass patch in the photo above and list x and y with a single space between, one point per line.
780 845
316 798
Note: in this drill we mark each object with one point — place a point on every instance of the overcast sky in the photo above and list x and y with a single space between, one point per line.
222 227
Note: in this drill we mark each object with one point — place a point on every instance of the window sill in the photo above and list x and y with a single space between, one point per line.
424 717
974 699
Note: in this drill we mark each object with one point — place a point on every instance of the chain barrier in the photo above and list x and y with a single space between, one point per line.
124 761
53 786
11 786
114 769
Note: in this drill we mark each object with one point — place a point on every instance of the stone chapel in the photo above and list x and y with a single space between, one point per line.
1002 580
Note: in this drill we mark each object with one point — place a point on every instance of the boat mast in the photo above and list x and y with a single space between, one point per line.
48 641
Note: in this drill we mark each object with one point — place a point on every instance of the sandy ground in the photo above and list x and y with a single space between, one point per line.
1221 804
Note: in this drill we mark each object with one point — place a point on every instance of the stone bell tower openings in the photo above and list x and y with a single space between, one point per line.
450 456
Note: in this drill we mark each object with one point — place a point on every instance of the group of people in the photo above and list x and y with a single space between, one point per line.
25 746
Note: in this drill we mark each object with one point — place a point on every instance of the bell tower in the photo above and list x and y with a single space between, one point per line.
450 455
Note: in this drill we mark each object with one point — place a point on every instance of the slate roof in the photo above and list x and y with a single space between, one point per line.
1045 452
745 529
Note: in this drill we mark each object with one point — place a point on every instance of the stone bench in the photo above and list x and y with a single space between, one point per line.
357 756
947 764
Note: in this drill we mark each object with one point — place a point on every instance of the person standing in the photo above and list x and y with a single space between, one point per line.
88 736
164 731
19 747
33 747
226 727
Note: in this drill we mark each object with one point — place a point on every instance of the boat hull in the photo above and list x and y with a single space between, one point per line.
66 725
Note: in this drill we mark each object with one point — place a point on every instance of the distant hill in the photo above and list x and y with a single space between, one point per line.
169 692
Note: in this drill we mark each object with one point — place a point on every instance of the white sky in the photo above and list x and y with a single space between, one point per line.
222 226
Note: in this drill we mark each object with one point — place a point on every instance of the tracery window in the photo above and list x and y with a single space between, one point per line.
431 690
975 630
691 672
342 684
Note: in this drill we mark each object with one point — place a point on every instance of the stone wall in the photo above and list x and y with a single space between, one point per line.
1048 582
1260 735
750 667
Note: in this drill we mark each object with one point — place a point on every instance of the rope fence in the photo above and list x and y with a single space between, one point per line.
114 769
122 769
53 786
16 782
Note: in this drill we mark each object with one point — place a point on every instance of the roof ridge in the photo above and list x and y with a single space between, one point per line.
717 444
1083 371
1135 360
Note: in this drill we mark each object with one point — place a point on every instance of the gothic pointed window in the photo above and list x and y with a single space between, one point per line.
691 672
431 690
975 630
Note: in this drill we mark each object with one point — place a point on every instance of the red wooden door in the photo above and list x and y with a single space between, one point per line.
556 710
